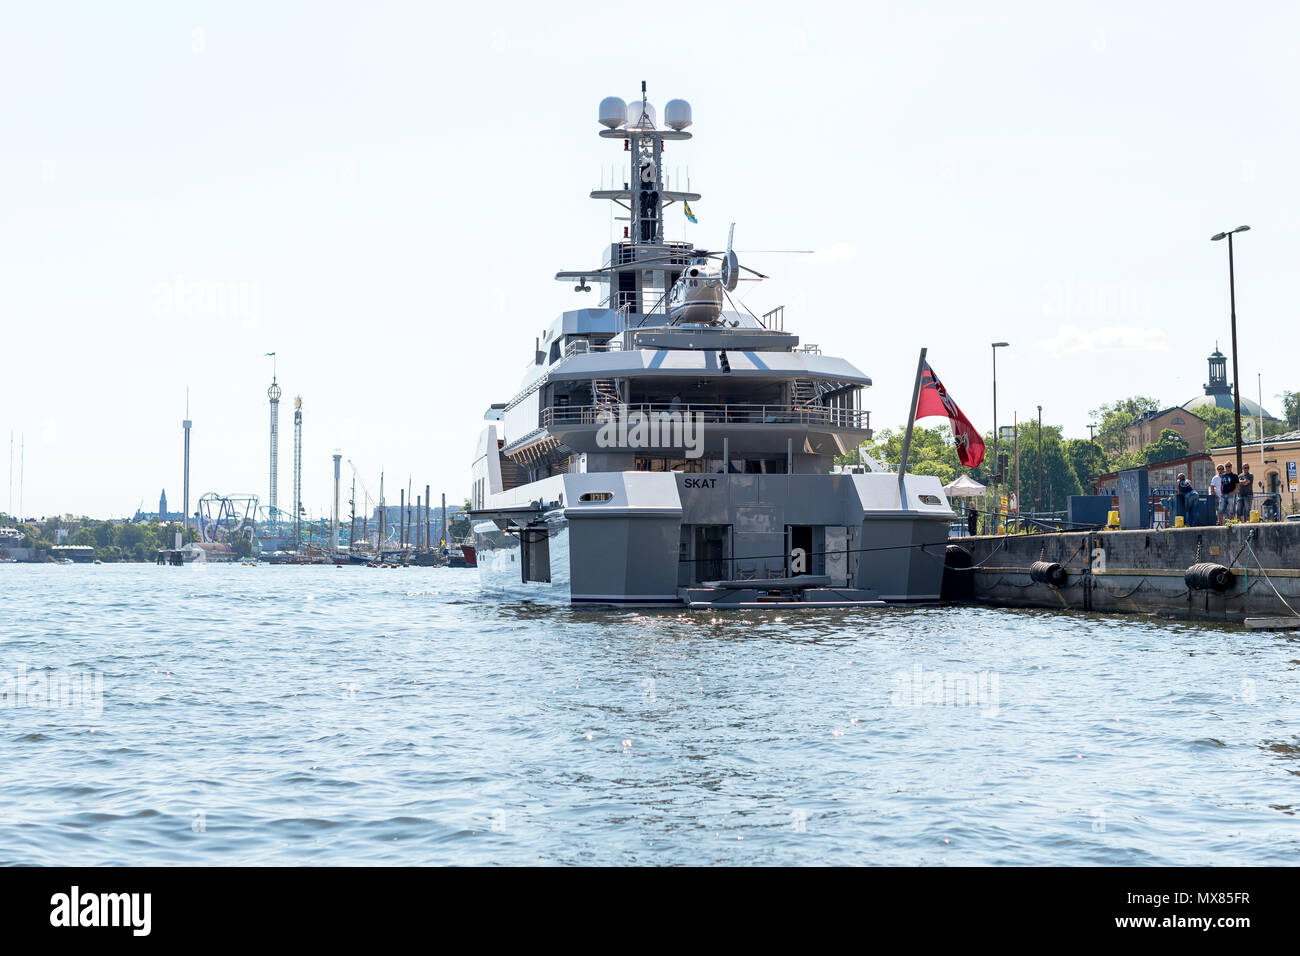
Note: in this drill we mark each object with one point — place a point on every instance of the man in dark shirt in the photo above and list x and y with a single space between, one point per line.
1229 489
972 519
1187 498
1245 492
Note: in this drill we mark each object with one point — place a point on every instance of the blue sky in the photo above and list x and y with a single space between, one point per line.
380 193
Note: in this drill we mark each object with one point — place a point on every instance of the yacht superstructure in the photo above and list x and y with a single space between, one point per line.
669 448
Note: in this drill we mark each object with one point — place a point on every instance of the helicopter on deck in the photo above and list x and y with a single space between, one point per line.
697 297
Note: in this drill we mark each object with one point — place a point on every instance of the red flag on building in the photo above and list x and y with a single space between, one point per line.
934 401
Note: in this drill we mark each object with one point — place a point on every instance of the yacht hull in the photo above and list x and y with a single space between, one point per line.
671 539
501 560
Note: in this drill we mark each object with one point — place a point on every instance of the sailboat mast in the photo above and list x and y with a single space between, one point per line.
352 513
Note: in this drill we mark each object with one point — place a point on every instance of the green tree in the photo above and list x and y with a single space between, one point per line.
460 527
1115 417
128 535
933 451
1221 427
1127 460
1291 408
1167 447
82 538
1088 458
1060 477
102 531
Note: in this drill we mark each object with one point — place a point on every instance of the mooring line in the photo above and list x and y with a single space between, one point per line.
1264 572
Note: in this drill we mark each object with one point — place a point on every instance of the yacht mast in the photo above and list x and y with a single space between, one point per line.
642 265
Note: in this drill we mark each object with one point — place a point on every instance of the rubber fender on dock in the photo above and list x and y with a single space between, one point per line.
1047 572
1208 577
958 576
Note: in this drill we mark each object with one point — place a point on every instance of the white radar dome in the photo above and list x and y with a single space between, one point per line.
634 110
677 114
613 112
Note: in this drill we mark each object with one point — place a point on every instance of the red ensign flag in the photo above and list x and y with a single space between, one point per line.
936 402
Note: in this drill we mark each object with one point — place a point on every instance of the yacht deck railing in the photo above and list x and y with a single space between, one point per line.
715 414
582 346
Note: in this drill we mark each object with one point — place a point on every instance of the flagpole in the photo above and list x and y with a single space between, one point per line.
907 437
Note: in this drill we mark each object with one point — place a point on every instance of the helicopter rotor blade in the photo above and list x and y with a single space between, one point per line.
603 270
723 256
730 264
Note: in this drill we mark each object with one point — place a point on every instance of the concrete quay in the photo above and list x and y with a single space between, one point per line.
1141 571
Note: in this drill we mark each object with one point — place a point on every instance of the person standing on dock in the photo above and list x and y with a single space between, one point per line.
1216 494
1228 489
1187 498
972 518
1245 492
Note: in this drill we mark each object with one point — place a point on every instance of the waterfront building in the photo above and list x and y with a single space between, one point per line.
11 545
79 554
1218 394
162 515
1186 420
1273 463
1146 429
1163 476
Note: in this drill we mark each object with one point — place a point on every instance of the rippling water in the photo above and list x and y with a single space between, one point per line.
354 715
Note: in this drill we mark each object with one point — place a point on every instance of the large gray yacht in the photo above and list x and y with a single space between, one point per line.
669 447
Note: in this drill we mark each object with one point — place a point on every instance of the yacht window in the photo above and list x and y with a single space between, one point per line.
687 465
595 496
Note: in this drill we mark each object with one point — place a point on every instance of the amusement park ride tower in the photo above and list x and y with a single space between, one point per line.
185 493
297 472
334 527
273 393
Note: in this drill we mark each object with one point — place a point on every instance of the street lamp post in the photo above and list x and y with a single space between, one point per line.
1015 438
1039 499
1092 448
997 470
1232 299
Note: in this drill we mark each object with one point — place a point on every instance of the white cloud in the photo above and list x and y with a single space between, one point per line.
1071 340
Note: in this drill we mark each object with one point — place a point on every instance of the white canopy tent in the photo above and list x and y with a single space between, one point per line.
964 487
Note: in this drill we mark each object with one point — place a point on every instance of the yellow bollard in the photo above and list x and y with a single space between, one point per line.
1254 516
1112 520
1179 522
